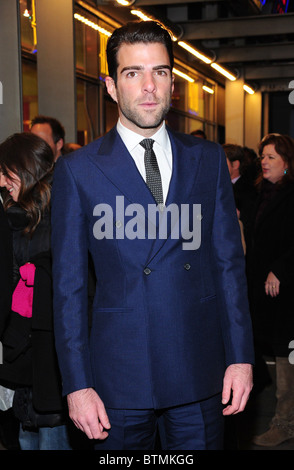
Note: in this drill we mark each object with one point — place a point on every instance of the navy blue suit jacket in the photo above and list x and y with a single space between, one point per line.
167 321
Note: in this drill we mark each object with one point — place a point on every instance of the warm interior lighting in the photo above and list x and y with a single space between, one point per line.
183 75
209 90
248 89
123 3
91 24
196 53
141 15
223 71
26 13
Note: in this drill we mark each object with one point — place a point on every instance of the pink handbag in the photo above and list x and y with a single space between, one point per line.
22 297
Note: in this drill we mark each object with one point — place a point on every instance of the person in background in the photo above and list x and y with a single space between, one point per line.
199 133
70 147
251 168
52 131
270 273
8 429
30 365
5 265
243 187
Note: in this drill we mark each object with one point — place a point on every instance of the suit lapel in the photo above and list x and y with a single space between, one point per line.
115 162
185 171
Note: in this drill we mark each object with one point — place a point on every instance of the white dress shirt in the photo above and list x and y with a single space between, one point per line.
161 147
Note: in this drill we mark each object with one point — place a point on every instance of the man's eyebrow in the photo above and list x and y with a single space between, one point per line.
140 67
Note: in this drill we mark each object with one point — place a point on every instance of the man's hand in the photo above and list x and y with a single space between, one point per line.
87 412
238 381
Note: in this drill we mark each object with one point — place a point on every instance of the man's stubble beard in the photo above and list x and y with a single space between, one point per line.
139 118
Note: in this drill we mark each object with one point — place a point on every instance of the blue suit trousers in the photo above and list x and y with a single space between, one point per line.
195 426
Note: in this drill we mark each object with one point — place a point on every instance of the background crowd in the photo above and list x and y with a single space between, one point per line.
33 412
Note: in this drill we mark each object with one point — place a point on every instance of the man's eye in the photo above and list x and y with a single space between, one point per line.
131 74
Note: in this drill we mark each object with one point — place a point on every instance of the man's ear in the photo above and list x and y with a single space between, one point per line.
236 164
59 144
111 88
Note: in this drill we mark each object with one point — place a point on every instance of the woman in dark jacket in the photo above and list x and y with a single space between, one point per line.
270 267
30 364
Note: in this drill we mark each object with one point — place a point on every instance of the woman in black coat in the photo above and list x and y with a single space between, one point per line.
5 267
270 268
30 363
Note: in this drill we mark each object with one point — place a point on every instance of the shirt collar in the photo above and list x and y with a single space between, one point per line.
131 139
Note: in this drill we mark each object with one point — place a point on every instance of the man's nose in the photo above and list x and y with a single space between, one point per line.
149 83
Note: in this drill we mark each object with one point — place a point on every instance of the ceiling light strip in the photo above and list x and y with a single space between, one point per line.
145 17
92 25
223 71
183 75
207 89
248 89
193 51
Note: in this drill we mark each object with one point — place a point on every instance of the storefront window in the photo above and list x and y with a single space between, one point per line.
91 35
30 93
28 26
87 48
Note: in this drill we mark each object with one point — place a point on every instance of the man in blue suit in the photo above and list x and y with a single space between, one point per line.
170 339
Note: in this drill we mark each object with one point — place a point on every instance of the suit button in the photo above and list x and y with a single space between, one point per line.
187 266
147 271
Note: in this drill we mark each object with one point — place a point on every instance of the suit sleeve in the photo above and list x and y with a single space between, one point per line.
70 275
232 282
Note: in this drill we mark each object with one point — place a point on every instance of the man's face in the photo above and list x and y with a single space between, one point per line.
144 86
45 132
233 168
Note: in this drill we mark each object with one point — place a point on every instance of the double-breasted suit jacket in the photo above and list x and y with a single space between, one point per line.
166 320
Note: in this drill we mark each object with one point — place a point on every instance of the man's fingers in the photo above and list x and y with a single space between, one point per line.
103 417
88 413
237 385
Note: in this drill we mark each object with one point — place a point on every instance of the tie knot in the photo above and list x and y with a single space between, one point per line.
147 144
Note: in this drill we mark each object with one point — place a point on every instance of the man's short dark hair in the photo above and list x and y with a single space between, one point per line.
58 131
233 153
133 33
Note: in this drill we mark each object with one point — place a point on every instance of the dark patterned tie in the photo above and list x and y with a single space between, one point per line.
153 178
